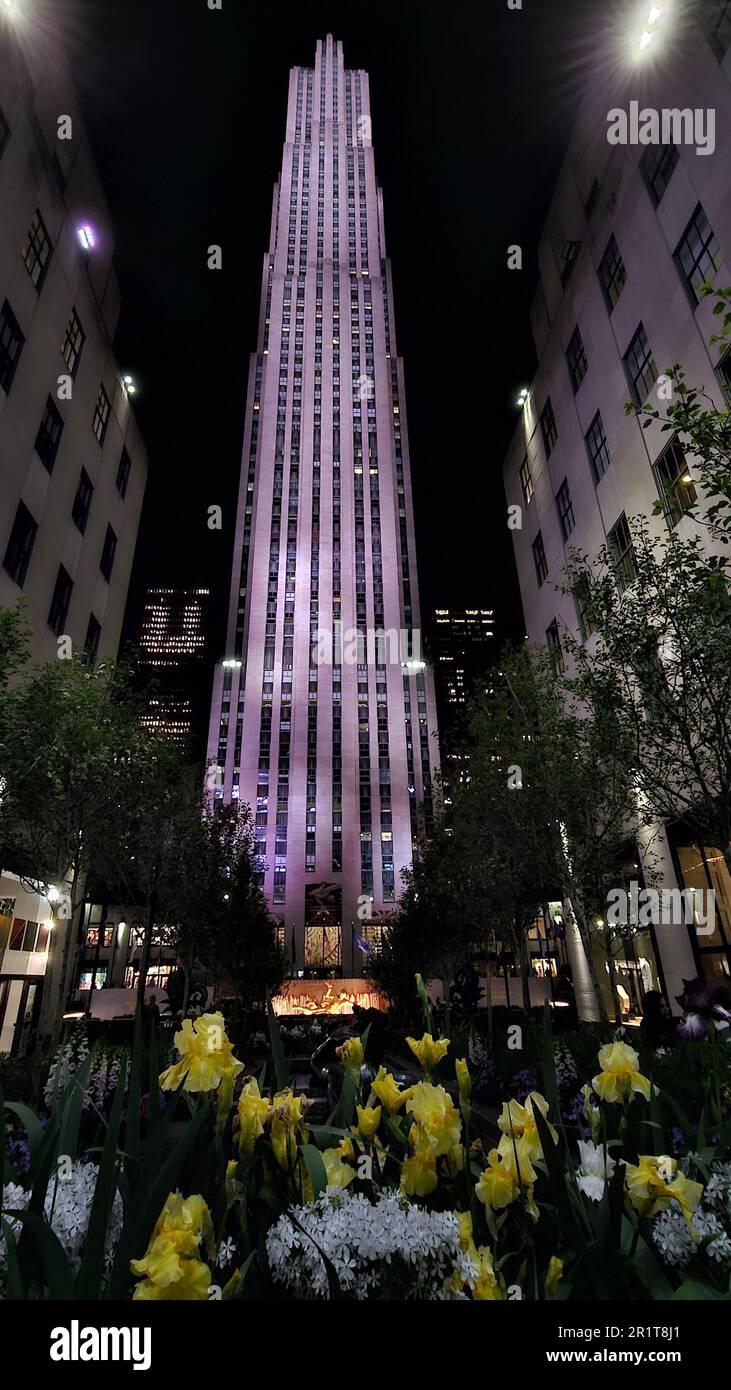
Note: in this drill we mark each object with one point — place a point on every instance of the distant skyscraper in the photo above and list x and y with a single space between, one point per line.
323 715
463 649
173 645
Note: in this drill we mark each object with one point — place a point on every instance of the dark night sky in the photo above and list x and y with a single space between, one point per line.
472 105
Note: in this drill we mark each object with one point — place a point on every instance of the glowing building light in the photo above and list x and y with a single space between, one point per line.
86 237
129 385
232 663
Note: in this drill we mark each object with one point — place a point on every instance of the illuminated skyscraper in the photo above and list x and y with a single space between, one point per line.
173 644
323 715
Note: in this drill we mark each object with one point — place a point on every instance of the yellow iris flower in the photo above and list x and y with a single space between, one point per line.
287 1114
654 1182
386 1088
438 1126
428 1052
619 1078
518 1121
352 1056
554 1275
339 1174
206 1056
419 1173
464 1083
369 1118
170 1269
253 1111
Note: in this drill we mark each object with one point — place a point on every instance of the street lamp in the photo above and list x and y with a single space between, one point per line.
651 28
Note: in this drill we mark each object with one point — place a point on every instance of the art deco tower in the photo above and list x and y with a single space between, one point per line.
331 740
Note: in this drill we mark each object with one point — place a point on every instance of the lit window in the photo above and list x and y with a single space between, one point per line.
674 483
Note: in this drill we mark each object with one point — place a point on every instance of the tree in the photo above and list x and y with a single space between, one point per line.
663 648
68 735
702 429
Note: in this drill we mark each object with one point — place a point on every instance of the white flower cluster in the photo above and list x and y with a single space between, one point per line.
711 1220
387 1248
103 1077
67 1209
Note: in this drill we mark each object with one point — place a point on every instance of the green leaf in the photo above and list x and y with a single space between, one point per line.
13 1278
695 1290
145 1202
91 1274
281 1070
72 1103
154 1117
31 1124
54 1260
342 1115
132 1124
315 1167
648 1268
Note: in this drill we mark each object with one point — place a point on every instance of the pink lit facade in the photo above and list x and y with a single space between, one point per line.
334 749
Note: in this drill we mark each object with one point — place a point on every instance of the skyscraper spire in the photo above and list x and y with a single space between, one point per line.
323 716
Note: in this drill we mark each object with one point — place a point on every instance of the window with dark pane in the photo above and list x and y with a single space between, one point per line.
82 501
555 650
123 471
723 372
697 255
91 641
582 599
576 359
37 251
657 165
101 415
49 434
565 509
109 550
11 346
639 365
597 448
539 559
526 481
73 343
619 542
612 274
20 544
60 601
548 427
4 131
